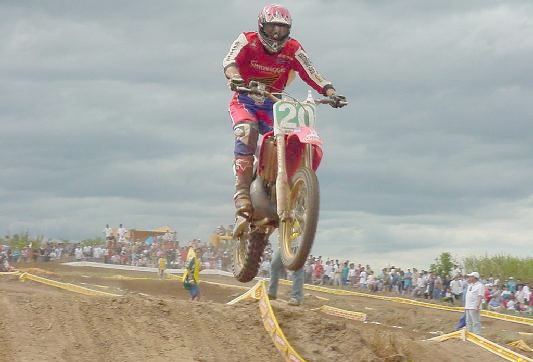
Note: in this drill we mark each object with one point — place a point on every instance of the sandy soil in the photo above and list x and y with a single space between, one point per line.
155 321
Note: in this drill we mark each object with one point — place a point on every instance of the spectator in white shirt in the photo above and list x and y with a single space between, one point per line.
520 295
108 232
473 298
78 253
327 272
121 232
527 291
456 288
421 285
337 274
352 275
362 278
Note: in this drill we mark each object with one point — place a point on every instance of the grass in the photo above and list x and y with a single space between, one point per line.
502 267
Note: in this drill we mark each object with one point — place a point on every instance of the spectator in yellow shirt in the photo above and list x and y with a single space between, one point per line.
162 262
191 274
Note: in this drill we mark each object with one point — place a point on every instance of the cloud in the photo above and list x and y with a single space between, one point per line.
413 241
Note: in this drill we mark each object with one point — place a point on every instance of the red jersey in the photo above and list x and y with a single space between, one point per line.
255 63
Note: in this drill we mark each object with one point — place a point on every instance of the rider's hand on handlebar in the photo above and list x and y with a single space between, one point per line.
235 82
338 101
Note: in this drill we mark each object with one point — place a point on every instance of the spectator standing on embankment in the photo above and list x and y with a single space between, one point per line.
276 266
108 232
162 263
473 298
456 287
121 233
192 273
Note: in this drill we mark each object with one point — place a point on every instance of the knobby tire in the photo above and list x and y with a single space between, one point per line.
247 253
291 259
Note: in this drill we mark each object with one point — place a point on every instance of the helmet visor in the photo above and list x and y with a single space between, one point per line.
276 31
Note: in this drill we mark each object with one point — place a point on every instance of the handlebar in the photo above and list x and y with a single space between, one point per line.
255 88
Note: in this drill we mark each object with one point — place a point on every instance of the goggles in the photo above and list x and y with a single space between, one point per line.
276 31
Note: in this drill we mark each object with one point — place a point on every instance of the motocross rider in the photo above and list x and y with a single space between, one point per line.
269 56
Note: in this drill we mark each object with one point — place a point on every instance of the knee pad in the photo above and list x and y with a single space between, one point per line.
246 135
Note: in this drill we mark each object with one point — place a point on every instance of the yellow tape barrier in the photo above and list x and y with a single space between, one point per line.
348 314
521 344
485 313
270 322
507 317
66 286
503 352
10 273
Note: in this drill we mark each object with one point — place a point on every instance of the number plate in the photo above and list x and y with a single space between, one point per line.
289 116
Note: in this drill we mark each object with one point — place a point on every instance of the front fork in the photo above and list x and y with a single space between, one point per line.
282 182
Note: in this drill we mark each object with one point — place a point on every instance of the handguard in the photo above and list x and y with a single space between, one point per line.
338 101
236 82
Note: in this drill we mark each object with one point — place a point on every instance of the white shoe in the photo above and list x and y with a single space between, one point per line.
294 301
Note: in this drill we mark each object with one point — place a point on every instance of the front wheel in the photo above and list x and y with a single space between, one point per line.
247 253
297 232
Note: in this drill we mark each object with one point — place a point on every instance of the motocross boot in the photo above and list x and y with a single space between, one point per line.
243 204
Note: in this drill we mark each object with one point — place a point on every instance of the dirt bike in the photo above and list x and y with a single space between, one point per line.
285 190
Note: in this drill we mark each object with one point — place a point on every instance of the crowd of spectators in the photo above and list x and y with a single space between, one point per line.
44 252
499 295
510 294
128 253
118 248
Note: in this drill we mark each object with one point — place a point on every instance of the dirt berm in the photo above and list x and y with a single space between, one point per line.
155 321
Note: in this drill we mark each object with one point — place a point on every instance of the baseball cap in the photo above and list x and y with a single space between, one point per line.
473 274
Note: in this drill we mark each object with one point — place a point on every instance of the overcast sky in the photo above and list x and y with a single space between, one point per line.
116 112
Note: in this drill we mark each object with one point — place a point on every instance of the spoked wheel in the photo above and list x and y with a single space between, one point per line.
247 253
297 233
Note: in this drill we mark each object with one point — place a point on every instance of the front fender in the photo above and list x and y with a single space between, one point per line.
294 151
308 135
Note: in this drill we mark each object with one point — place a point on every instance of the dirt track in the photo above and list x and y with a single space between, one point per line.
154 321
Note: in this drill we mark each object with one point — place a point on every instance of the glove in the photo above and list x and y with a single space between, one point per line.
235 82
338 101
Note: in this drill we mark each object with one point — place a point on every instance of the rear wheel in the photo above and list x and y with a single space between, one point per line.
297 233
247 253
